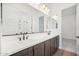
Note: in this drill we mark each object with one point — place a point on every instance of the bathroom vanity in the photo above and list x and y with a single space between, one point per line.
46 48
29 31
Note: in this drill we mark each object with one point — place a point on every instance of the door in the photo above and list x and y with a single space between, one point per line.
53 46
69 29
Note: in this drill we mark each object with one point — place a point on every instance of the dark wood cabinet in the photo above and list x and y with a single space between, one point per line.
47 48
39 49
25 52
57 43
29 52
54 43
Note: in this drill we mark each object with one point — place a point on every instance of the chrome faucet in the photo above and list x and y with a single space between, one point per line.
19 38
23 36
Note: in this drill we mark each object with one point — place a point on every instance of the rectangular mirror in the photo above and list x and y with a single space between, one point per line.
22 18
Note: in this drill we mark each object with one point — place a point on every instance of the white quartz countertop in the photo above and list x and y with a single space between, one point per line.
11 44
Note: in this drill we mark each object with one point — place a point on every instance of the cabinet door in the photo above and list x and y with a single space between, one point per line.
52 44
25 52
39 49
29 52
57 42
47 48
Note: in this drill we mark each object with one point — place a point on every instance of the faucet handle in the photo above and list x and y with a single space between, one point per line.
19 38
27 37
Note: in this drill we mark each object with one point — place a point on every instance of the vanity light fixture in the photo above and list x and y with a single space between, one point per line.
44 8
40 6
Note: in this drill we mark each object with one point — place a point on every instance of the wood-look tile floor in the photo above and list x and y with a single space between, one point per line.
64 53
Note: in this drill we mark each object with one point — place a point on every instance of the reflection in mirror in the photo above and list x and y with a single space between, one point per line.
24 19
41 24
24 24
44 24
51 24
17 20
